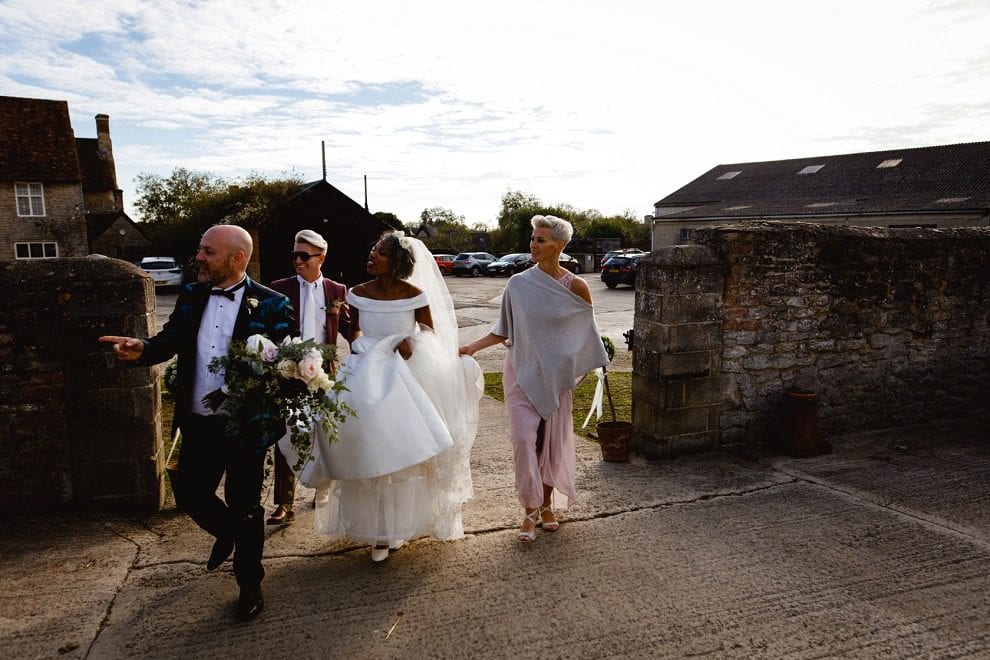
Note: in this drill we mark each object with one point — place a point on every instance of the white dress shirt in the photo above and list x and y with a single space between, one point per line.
312 317
215 332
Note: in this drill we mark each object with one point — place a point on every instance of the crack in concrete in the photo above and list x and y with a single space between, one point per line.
864 498
118 588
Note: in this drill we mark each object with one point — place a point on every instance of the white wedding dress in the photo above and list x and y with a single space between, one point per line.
401 467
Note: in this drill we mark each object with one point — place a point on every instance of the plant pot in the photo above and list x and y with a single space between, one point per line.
614 439
800 436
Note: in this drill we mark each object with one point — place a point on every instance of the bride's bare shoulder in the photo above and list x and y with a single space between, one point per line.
362 290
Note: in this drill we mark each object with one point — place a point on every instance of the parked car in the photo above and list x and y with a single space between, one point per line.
618 253
510 264
163 270
621 270
445 262
570 263
472 263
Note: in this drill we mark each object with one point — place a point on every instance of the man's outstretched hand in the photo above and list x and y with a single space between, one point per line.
126 348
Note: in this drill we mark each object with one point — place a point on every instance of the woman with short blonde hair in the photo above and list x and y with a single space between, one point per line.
548 324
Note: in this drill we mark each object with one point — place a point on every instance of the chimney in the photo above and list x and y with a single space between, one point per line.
103 144
103 136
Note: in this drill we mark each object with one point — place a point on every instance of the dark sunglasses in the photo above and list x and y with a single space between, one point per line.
305 256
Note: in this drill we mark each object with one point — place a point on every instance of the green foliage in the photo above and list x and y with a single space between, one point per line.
627 227
450 231
440 214
176 210
609 347
255 201
620 384
518 208
170 200
389 219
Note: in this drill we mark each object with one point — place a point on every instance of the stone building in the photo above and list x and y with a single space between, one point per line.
930 187
58 193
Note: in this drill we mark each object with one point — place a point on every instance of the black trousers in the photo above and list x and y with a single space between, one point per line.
207 454
285 479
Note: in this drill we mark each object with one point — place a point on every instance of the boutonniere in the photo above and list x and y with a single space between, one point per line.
334 306
252 304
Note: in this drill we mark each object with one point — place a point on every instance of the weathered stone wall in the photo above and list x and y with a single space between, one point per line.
889 327
77 427
63 223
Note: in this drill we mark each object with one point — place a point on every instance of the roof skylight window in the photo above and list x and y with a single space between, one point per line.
890 162
811 169
729 175
820 205
739 208
951 200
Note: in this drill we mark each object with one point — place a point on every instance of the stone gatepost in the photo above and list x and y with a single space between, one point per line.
78 428
677 389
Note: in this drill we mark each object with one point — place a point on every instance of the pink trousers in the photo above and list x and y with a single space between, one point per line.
542 450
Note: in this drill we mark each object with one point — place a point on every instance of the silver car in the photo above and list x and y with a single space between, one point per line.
163 270
472 263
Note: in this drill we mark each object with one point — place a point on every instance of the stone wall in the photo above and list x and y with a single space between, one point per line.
63 223
888 326
78 428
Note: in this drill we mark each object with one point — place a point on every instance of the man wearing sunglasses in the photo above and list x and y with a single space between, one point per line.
321 307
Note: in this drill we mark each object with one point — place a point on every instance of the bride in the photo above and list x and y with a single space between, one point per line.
401 466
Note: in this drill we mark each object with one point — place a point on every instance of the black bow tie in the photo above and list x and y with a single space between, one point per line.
229 293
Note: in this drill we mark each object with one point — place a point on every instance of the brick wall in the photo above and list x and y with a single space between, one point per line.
888 327
77 427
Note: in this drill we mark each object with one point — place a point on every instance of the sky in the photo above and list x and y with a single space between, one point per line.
606 106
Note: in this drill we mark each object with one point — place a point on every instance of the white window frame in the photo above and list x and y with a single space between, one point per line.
34 195
686 234
48 250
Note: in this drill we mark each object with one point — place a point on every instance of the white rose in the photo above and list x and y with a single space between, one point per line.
287 369
255 344
315 356
320 382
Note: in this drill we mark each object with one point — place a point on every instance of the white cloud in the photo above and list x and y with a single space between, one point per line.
608 106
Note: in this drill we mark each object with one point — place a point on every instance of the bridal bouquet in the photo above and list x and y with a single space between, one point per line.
269 387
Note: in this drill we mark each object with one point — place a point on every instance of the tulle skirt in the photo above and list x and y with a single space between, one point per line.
401 467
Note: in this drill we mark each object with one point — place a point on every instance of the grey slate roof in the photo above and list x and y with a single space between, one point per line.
949 178
36 141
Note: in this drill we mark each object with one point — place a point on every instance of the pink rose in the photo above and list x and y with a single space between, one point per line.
269 352
309 368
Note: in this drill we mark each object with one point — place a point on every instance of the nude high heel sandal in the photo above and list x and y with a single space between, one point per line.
528 537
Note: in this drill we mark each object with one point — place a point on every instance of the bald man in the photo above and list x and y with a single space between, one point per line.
223 305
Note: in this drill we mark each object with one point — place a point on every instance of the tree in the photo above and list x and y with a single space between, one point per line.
514 228
176 210
389 219
518 208
440 214
448 230
169 200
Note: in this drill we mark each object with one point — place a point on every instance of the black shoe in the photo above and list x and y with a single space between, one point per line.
221 550
250 604
283 515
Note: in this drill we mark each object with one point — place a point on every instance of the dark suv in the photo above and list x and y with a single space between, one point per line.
472 263
624 252
621 270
